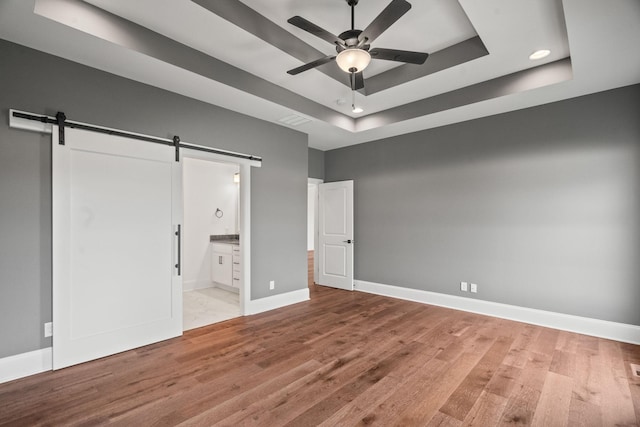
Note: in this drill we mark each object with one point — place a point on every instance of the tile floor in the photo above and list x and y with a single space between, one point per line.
210 305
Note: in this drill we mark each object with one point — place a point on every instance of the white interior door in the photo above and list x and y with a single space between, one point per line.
117 205
335 235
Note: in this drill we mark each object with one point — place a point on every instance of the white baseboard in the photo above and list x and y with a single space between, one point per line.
566 322
276 301
225 287
25 364
192 285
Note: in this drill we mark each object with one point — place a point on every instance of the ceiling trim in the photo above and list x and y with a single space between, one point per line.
521 81
448 57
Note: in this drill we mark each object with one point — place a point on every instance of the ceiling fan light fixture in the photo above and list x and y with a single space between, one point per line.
353 60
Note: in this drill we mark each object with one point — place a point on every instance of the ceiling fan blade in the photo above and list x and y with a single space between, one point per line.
312 28
399 55
310 65
387 17
356 80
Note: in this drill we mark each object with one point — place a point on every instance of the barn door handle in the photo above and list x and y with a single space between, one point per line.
178 266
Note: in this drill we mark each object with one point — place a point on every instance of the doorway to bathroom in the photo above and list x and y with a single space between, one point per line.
212 276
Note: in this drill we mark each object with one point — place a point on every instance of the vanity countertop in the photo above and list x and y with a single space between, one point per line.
226 239
226 242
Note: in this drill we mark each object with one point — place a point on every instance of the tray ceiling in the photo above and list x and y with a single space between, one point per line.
235 54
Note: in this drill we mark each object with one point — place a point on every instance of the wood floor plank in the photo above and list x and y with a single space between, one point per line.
555 398
487 410
290 401
443 420
583 413
378 397
343 359
617 406
563 363
310 268
631 355
503 381
359 385
465 396
417 395
589 377
241 401
521 406
567 342
433 396
535 370
519 352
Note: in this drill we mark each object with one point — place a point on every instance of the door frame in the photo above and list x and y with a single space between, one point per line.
315 182
245 213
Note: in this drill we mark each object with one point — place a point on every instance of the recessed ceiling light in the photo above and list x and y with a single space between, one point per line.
539 54
357 109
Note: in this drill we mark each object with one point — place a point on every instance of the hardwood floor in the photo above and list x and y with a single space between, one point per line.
341 359
310 261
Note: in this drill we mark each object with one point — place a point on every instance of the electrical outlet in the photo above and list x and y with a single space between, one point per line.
474 288
464 287
272 284
48 329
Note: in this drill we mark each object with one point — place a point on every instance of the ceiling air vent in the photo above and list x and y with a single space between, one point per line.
293 120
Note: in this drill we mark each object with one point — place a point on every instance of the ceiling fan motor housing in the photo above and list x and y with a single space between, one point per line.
350 38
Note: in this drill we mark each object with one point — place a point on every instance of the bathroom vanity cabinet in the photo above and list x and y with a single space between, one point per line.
225 265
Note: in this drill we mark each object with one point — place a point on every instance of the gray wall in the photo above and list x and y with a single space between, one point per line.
316 163
41 83
539 207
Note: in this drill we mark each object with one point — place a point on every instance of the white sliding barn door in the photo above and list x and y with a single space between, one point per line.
335 235
117 203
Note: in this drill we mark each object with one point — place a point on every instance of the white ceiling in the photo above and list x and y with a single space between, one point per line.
600 38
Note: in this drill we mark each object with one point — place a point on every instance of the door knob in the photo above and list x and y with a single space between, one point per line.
347 241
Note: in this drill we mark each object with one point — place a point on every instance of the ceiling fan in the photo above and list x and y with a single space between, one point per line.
353 46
